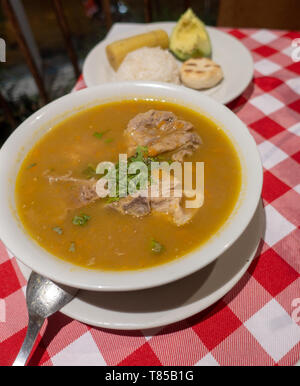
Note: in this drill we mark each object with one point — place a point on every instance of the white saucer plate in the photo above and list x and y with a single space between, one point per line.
231 54
159 306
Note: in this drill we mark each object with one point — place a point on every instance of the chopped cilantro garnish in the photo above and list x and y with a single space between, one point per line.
156 247
90 171
141 155
99 134
72 247
112 199
58 230
81 220
108 140
31 166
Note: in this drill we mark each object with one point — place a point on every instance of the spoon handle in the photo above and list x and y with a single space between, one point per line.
34 327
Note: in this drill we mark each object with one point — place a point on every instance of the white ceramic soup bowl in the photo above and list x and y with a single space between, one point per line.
18 241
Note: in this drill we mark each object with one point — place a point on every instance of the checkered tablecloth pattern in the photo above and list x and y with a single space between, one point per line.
258 322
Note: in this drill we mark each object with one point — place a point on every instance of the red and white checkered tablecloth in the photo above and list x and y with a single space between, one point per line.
258 322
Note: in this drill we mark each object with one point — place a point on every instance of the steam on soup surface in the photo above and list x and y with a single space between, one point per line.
55 182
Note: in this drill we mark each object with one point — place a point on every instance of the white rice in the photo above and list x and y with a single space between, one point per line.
154 64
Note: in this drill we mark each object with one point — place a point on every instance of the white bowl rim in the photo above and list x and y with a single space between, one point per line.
20 244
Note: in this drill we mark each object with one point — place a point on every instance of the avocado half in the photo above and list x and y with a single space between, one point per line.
189 38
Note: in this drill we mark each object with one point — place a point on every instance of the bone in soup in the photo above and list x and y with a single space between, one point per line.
56 186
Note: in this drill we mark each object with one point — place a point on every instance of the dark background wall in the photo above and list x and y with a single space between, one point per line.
277 14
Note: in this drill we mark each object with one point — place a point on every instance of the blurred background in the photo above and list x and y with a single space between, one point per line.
47 40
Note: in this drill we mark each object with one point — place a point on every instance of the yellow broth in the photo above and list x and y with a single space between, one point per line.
110 240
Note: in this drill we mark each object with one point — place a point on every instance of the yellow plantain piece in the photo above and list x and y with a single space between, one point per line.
117 51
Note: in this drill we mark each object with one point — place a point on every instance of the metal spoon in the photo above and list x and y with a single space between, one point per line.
44 298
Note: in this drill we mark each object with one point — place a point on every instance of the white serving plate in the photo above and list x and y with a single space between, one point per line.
231 54
173 302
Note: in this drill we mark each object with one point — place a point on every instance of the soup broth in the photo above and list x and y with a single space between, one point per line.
108 240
